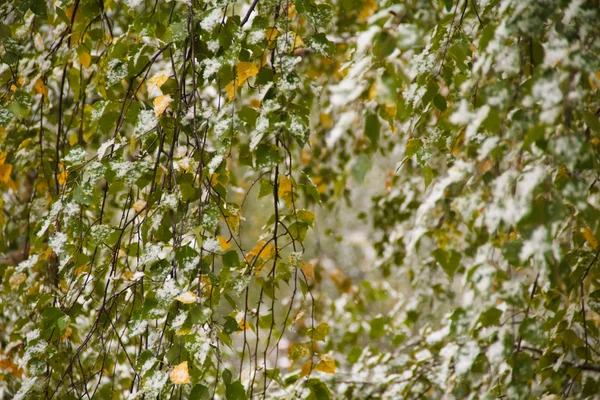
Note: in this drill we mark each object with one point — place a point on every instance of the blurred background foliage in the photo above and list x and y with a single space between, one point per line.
299 199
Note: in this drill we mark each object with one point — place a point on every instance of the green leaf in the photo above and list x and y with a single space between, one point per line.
372 128
361 166
235 391
440 102
449 261
320 332
319 43
412 146
591 120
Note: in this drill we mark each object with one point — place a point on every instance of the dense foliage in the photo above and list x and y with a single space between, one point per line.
299 199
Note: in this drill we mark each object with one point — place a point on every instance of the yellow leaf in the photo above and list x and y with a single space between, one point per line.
40 88
306 368
13 88
62 177
230 89
180 374
243 325
225 245
285 190
206 284
390 110
326 121
245 70
67 334
73 139
161 103
5 170
369 7
187 298
308 269
291 10
298 42
214 179
327 364
85 59
183 332
261 250
2 157
157 81
17 279
271 34
589 237
139 205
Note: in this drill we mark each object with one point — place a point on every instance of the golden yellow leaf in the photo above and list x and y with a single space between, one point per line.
157 81
230 89
67 334
589 237
298 42
2 157
17 279
305 157
285 190
180 374
261 250
85 59
7 365
214 179
306 368
73 139
326 121
5 170
223 243
40 87
245 70
291 10
308 269
62 177
373 91
206 284
369 7
327 364
139 205
243 324
13 88
271 34
187 298
390 110
161 103
183 332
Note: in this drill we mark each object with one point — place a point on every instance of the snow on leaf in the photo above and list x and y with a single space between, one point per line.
187 298
155 83
103 147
